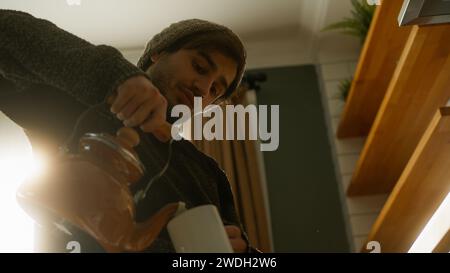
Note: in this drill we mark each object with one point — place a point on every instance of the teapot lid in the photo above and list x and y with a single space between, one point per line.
97 142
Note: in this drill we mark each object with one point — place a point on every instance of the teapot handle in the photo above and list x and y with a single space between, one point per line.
145 233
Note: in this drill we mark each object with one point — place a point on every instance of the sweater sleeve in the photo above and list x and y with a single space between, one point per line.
35 51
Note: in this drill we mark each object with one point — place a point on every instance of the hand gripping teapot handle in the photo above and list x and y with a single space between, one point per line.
163 133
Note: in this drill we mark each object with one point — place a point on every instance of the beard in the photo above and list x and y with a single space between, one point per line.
159 77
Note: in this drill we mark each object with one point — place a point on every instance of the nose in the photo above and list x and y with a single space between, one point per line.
203 86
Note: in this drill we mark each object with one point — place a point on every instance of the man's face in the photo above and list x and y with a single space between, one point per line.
187 73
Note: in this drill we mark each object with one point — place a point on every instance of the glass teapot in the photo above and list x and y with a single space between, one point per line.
90 190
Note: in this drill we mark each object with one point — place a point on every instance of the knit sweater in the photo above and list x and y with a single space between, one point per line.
49 76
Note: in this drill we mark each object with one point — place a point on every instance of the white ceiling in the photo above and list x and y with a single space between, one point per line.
129 24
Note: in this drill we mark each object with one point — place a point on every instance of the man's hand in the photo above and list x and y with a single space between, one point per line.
139 103
235 236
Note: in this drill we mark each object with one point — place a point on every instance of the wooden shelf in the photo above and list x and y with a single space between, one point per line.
382 49
444 244
419 86
422 187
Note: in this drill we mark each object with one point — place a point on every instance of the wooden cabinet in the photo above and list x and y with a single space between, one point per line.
398 99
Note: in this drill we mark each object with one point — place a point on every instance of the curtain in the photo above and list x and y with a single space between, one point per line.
242 162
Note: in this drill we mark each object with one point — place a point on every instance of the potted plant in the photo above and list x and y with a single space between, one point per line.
357 25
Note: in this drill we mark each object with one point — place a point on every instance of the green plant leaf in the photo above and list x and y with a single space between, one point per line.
359 23
344 87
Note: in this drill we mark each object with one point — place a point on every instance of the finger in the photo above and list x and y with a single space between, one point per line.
123 96
110 100
141 114
152 123
233 231
129 109
238 245
164 132
161 109
158 116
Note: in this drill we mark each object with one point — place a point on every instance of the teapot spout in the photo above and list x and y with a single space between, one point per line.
145 233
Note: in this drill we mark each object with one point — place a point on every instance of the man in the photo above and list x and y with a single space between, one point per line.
48 77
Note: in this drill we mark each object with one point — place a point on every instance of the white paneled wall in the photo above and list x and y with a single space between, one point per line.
360 212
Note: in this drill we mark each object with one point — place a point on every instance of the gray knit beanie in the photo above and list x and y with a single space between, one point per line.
183 29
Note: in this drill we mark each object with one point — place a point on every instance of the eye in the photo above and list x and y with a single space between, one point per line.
200 70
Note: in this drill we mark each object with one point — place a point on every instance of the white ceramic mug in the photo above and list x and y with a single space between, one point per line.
199 230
